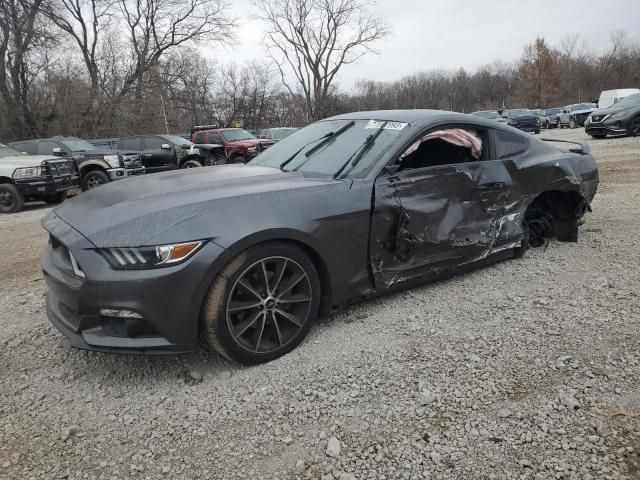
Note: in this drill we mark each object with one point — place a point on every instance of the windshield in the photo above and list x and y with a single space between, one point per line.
280 133
332 155
582 106
486 114
236 134
554 111
77 145
8 152
176 140
520 112
630 101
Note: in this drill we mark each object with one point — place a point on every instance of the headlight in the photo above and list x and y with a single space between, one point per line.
127 258
27 172
252 149
619 114
112 160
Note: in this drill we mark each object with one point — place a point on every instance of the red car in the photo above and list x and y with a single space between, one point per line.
239 145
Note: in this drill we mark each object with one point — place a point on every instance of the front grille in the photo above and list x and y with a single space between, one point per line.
131 161
581 116
61 169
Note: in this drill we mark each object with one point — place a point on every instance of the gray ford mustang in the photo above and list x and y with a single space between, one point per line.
354 206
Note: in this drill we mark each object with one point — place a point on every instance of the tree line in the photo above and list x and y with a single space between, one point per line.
102 68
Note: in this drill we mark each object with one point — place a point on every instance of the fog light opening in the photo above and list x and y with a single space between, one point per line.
112 312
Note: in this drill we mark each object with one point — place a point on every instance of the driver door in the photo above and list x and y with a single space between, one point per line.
436 217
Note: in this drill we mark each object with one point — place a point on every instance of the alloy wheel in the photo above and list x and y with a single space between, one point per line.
269 304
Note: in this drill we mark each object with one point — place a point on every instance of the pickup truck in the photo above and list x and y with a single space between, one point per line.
160 153
240 146
25 178
574 116
96 166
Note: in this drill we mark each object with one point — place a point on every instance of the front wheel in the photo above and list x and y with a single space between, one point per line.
239 159
191 164
94 179
262 304
572 123
11 200
634 129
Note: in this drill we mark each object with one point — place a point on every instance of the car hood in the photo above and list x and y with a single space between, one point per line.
584 110
251 142
613 109
20 161
134 211
524 118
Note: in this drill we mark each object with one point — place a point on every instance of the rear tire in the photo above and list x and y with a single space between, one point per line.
11 200
262 304
94 179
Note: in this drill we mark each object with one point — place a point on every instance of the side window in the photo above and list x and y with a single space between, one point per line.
445 146
200 138
154 143
508 144
133 143
28 147
46 147
214 137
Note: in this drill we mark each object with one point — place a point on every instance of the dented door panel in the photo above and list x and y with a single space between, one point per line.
429 220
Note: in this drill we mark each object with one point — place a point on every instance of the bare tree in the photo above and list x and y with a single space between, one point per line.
314 39
157 26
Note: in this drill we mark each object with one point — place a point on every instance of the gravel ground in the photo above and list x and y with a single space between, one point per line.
527 369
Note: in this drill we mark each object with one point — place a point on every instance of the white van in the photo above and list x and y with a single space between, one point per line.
609 97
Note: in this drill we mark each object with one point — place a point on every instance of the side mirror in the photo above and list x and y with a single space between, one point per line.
58 151
165 146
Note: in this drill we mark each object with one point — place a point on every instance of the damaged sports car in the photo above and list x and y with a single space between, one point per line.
354 206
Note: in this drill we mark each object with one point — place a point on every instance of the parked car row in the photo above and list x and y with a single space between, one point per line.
520 118
102 160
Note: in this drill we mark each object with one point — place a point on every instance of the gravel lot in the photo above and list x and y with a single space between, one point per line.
527 369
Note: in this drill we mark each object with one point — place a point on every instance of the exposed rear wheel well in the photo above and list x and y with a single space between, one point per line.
555 214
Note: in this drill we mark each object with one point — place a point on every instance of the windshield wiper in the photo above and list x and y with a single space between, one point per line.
362 150
325 138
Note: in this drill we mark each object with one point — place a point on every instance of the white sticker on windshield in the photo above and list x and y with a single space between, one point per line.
376 124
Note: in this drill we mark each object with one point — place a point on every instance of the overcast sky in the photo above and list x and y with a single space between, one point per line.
451 34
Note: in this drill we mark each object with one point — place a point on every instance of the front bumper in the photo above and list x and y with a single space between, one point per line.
48 186
168 299
607 127
119 173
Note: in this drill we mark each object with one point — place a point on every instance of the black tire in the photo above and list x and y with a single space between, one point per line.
559 124
11 200
537 132
260 316
239 159
191 164
216 158
634 127
547 125
597 137
55 198
94 179
572 123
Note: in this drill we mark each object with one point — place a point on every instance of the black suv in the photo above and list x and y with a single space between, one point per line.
522 119
160 153
96 166
619 119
